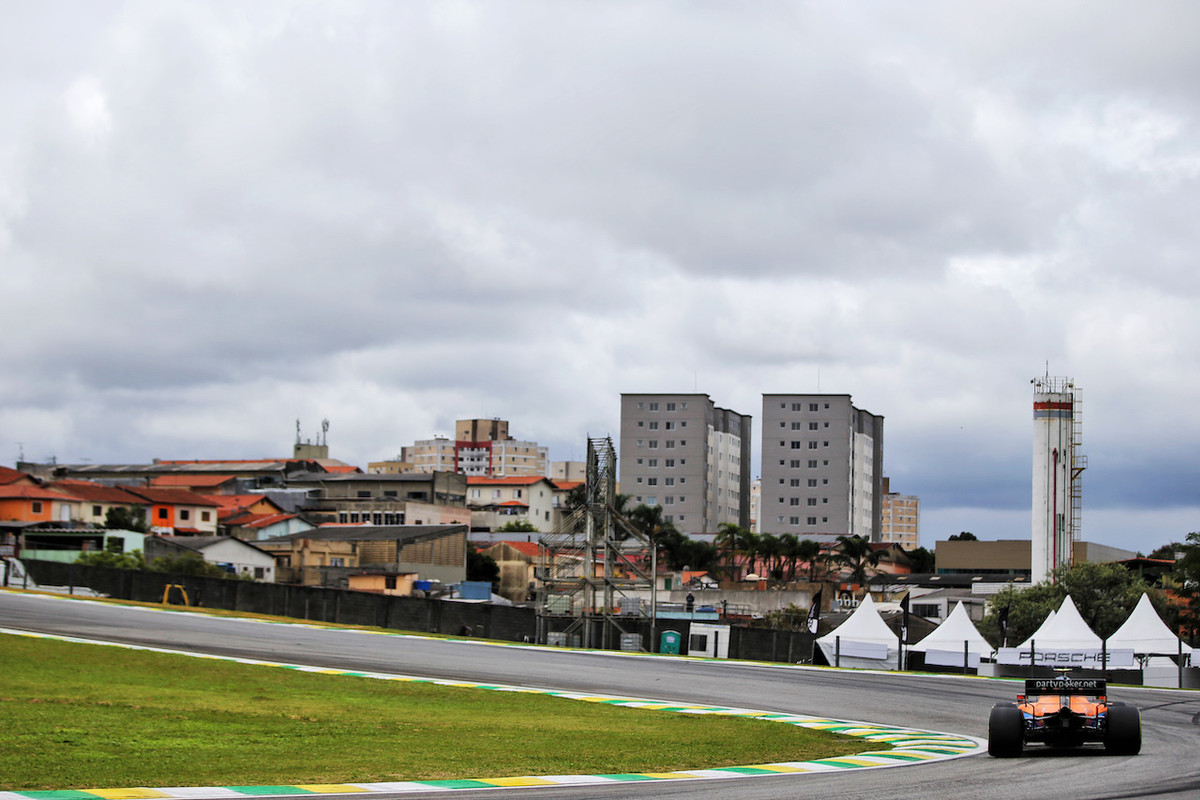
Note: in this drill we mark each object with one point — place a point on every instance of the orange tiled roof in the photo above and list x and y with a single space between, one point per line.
11 492
568 484
178 497
96 492
10 475
528 548
190 481
515 480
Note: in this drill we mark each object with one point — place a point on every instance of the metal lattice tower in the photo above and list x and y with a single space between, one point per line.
595 570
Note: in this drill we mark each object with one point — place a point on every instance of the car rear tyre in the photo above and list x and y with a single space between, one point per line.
1006 731
1124 734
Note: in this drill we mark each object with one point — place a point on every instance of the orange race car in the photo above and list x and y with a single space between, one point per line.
1064 712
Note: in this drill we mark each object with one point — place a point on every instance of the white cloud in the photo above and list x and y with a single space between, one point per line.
216 219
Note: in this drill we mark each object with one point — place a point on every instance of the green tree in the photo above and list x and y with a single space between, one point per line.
964 536
126 518
922 560
482 567
770 548
107 558
854 554
517 526
1186 580
188 564
1105 595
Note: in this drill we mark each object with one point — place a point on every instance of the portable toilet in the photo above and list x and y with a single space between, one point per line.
668 642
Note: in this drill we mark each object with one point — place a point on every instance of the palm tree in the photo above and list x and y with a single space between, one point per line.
855 554
771 549
790 544
809 551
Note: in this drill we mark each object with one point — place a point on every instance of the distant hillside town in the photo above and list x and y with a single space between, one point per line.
821 512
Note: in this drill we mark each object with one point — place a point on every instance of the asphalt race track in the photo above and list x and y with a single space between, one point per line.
1168 767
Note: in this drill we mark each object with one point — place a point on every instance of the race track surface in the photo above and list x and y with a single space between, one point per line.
1167 768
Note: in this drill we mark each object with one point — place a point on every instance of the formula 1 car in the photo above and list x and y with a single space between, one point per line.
1064 712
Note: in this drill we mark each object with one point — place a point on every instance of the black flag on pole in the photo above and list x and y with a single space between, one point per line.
904 621
814 612
1002 618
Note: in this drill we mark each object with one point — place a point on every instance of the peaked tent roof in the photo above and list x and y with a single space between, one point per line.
1065 630
1145 632
951 634
864 625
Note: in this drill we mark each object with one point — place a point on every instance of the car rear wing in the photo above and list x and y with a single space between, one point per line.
1088 686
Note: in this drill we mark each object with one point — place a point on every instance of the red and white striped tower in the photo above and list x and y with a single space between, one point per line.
1056 469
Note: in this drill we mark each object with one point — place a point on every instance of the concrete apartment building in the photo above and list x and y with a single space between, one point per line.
682 452
822 466
900 518
481 447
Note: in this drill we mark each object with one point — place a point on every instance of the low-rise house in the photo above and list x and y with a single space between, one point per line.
178 511
96 500
433 498
435 552
233 555
28 502
496 501
43 541
517 562
393 583
253 527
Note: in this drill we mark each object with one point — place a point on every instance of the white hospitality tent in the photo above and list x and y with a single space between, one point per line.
863 641
1145 633
1063 631
1149 637
956 638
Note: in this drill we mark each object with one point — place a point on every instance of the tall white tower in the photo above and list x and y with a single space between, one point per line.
1056 470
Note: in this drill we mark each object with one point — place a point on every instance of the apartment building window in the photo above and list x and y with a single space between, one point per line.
796 426
794 501
812 426
812 501
795 445
796 407
652 500
641 424
654 406
495 494
653 462
669 500
654 425
813 445
812 520
343 517
791 520
517 493
668 481
670 462
827 444
683 442
670 406
824 499
652 481
671 443
670 425
654 444
682 406
794 482
640 406
639 478
813 406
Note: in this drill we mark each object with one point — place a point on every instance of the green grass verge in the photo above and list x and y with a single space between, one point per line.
80 716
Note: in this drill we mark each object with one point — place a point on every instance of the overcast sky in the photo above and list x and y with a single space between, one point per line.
219 218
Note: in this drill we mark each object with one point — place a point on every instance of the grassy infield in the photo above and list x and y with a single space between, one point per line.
89 716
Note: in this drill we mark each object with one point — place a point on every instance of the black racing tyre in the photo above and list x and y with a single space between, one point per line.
1006 731
1123 736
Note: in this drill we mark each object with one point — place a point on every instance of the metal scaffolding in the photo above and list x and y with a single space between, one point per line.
596 571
